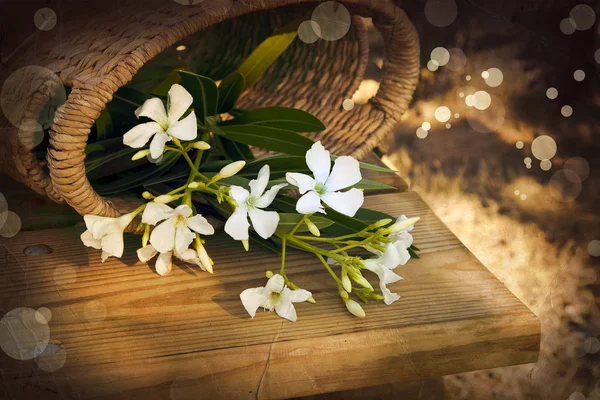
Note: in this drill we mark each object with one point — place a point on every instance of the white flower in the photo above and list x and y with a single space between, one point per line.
106 234
403 239
166 124
164 262
175 233
274 296
325 186
250 204
383 266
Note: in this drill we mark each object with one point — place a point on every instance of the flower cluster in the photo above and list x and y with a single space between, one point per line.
173 227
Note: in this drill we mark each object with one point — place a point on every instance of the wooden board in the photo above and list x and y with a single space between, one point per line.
129 333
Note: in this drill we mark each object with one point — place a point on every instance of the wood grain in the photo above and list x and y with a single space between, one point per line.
187 334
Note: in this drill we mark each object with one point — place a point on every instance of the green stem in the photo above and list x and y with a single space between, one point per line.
319 239
352 246
283 249
328 268
298 225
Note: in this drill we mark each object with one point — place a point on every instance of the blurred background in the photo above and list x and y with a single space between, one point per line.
503 141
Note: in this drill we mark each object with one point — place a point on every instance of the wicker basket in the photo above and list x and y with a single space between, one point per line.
105 50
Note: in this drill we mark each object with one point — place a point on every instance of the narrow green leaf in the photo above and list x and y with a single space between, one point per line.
280 140
131 96
268 52
104 126
287 222
279 165
234 150
280 117
95 163
163 88
204 91
230 90
367 184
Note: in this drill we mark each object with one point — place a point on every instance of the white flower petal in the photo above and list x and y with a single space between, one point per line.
88 239
302 181
153 109
179 101
258 185
403 252
105 255
237 225
264 222
266 199
163 236
139 135
391 258
191 257
146 253
276 284
183 238
389 276
186 129
285 309
388 296
155 212
184 210
345 173
319 162
404 218
346 203
124 220
239 194
402 237
113 244
157 145
310 203
298 295
200 224
99 226
163 263
252 299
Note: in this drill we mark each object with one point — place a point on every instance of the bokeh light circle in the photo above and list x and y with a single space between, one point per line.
19 88
45 19
448 126
470 100
546 165
441 13
334 20
440 55
31 133
22 336
519 145
309 32
567 26
482 100
52 358
523 196
432 65
552 93
443 114
348 104
543 147
426 126
422 133
594 248
488 120
579 75
597 56
578 165
3 210
95 311
583 16
155 160
527 160
565 185
566 111
43 315
577 396
458 60
457 115
11 224
468 77
485 74
495 77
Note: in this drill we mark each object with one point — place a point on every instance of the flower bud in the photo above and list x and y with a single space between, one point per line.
164 199
358 278
312 300
269 274
380 223
201 145
146 236
346 283
196 185
344 295
246 245
147 195
232 169
402 225
355 309
140 154
312 227
204 258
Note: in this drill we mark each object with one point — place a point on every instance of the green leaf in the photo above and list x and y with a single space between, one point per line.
92 164
280 140
279 165
287 222
138 178
367 184
280 117
343 224
104 126
230 90
163 88
234 150
204 91
131 96
369 216
268 52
